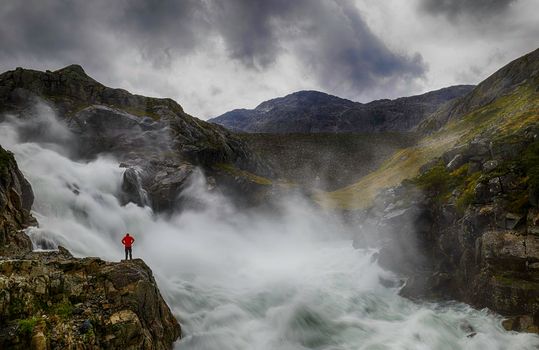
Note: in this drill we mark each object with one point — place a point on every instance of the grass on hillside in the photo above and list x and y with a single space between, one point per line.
232 170
326 161
403 164
498 119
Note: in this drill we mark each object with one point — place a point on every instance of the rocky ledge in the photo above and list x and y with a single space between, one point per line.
51 300
54 301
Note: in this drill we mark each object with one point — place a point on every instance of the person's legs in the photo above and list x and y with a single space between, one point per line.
126 251
130 253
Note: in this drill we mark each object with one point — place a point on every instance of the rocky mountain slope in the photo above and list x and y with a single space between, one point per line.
54 301
315 112
326 161
152 137
457 212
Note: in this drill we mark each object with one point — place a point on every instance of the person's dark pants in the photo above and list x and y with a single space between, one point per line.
128 250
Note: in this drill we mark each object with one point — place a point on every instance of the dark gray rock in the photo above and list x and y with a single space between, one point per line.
490 165
132 190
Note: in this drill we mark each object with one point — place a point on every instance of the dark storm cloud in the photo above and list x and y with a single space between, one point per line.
329 37
39 28
162 29
475 8
349 57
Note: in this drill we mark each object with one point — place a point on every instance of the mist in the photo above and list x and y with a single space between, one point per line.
239 278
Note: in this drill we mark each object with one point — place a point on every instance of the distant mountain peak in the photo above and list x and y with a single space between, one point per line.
300 99
309 111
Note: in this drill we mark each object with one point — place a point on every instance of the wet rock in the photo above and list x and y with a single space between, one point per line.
523 323
452 153
465 326
533 221
474 167
512 220
494 186
490 165
509 251
456 162
482 194
132 188
479 149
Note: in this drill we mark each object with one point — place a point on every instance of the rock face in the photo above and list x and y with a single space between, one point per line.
16 198
153 136
316 112
54 301
469 231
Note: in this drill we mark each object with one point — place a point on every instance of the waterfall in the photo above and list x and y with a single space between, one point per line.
241 279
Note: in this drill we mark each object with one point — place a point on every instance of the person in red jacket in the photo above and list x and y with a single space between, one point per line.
128 242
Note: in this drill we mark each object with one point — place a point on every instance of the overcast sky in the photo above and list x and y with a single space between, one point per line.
216 55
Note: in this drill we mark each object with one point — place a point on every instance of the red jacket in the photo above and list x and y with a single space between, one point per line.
128 241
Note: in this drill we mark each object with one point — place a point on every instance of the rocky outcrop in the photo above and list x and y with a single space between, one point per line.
317 112
466 227
54 301
16 198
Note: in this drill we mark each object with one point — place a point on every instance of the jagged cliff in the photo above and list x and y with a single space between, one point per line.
55 301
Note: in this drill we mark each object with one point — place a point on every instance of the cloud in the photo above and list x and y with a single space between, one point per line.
329 39
475 8
348 58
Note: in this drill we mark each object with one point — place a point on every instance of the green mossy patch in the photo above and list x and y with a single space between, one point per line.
467 191
26 326
439 182
63 310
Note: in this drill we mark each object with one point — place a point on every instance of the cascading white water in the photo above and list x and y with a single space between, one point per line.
239 280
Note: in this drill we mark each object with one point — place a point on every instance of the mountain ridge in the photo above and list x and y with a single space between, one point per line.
314 111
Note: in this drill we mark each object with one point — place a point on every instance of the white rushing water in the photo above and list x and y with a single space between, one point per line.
239 280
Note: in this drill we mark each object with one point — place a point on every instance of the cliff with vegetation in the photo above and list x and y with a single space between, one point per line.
457 213
55 301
